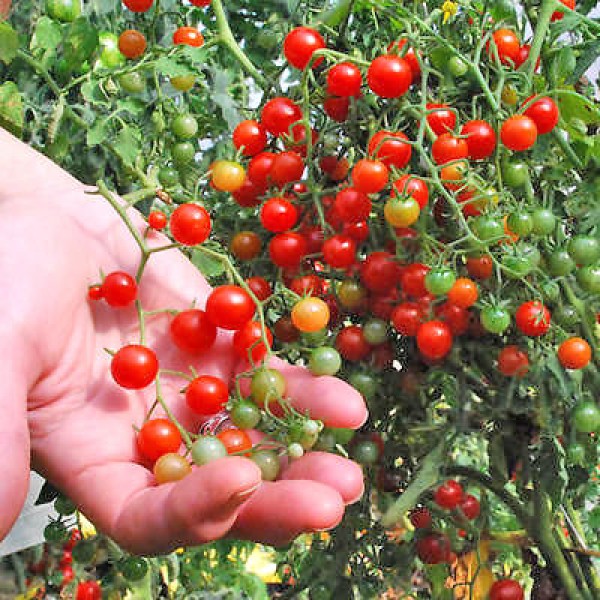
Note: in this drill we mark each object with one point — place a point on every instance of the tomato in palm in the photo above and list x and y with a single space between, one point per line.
406 318
192 331
512 361
481 139
132 43
480 267
434 339
586 417
557 15
250 137
369 176
389 76
188 36
449 495
413 280
379 272
88 590
207 395
299 46
134 366
463 293
229 307
351 343
544 113
506 589
440 117
157 220
339 251
267 385
351 205
227 175
434 549
470 507
248 341
447 147
310 314
278 214
158 437
138 5
287 249
507 45
260 287
574 353
518 133
235 440
533 318
287 167
420 518
171 467
337 108
279 114
245 245
409 185
391 148
344 79
190 224
119 289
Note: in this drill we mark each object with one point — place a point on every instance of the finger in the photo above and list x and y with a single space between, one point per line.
280 511
122 500
329 399
343 475
14 439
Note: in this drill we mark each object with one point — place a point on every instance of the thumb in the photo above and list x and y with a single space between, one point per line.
14 439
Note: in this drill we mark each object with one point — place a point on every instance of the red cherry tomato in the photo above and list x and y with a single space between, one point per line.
512 361
351 343
188 36
299 46
449 495
229 307
394 151
119 289
409 185
446 147
250 137
344 79
158 437
287 249
351 205
434 339
192 331
279 114
481 139
278 214
369 176
89 590
260 287
441 119
389 76
138 5
519 133
339 251
507 45
134 367
287 167
544 113
420 518
248 340
406 318
470 507
190 224
206 395
506 589
533 318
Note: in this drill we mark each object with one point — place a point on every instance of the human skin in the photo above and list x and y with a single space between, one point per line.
61 408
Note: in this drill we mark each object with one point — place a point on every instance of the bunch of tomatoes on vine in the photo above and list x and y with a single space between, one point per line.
414 215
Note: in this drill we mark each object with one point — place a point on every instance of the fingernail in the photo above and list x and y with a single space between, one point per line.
245 494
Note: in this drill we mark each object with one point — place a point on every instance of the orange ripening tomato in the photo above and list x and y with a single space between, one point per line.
310 314
463 293
574 353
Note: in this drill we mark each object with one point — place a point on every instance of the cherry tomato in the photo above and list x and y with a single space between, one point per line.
339 251
351 343
586 417
344 79
183 83
439 281
463 293
279 114
260 287
132 43
310 314
544 113
285 331
245 245
248 341
336 169
449 495
188 36
229 307
65 10
519 133
507 45
434 549
351 205
278 214
413 280
401 212
250 137
171 467
157 220
574 353
227 175
307 285
184 126
557 15
337 108
420 518
506 589
369 176
410 185
447 147
190 224
134 367
286 167
138 5
440 118
390 148
480 267
533 318
88 590
495 319
512 361
389 76
406 318
287 249
379 272
119 289
434 339
481 139
456 317
470 507
409 56
206 395
206 449
158 437
132 83
299 46
192 331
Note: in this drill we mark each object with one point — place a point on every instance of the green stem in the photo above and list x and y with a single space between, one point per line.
566 148
541 29
227 39
584 315
182 431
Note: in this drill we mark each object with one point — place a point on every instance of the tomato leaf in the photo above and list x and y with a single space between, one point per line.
588 54
503 10
11 108
562 65
574 106
208 266
551 471
80 42
97 133
222 98
47 34
9 43
128 145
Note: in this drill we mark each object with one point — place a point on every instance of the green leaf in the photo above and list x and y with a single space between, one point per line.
47 494
47 34
207 265
134 106
437 575
503 10
9 42
562 65
589 52
223 99
575 107
128 145
93 93
11 108
80 42
551 470
97 133
426 478
174 67
334 12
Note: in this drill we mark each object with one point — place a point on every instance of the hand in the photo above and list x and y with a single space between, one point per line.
60 402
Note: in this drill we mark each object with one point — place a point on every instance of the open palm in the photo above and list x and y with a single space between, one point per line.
61 406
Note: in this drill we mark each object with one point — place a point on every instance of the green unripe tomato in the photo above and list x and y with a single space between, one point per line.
366 452
495 319
375 331
168 177
520 223
544 221
133 568
515 174
267 385
64 10
566 315
110 56
315 338
132 83
457 66
584 249
184 127
268 463
325 361
560 263
245 414
588 278
518 266
206 449
343 435
488 229
364 383
586 417
439 281
327 441
183 83
183 153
